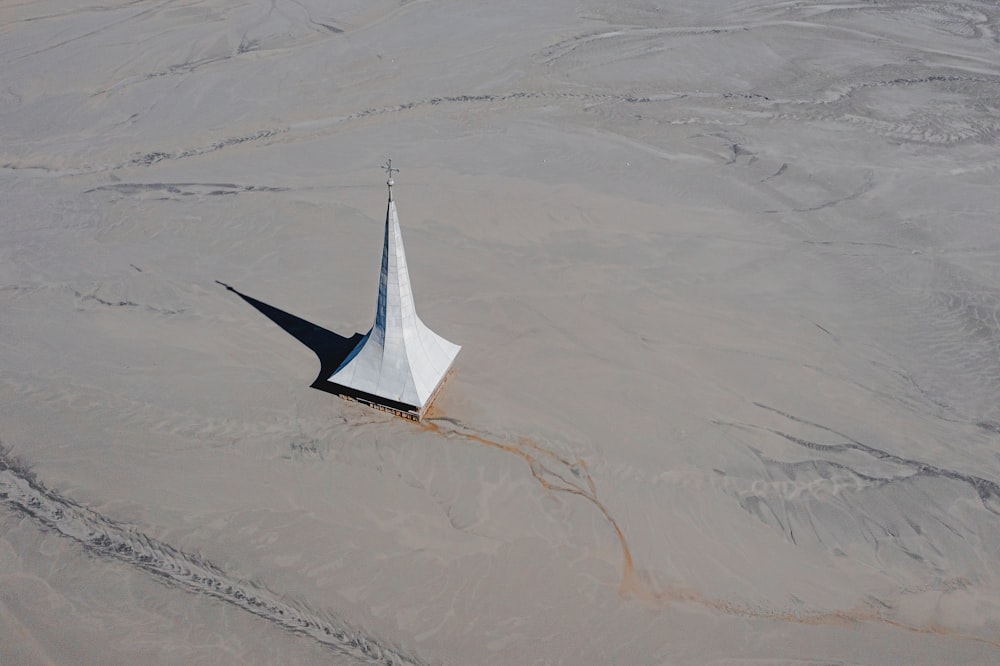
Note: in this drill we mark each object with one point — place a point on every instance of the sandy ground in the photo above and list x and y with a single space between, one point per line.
726 276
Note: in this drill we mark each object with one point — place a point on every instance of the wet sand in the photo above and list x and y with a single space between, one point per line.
725 278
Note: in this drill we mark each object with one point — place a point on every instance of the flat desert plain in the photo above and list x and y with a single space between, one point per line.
726 276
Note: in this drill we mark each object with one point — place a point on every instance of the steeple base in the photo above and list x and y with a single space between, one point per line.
400 409
370 402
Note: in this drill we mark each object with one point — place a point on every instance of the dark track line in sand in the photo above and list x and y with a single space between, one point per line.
83 298
466 99
988 491
184 189
153 157
21 492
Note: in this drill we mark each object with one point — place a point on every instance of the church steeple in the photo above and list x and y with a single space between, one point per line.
400 363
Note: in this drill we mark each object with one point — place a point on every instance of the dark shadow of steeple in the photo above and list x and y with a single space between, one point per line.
329 347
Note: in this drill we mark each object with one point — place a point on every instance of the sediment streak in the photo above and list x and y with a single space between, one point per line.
559 474
21 492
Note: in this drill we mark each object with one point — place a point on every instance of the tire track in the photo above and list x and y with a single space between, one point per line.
492 98
155 156
152 157
21 492
183 189
564 48
987 490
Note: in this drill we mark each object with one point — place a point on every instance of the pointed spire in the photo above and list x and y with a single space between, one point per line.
400 363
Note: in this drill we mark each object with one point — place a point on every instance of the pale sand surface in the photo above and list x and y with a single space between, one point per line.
726 276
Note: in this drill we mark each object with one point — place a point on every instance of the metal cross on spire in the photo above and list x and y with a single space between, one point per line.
389 169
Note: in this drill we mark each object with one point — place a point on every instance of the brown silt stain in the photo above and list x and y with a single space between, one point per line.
558 474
